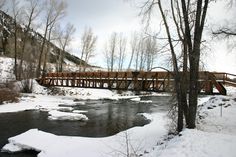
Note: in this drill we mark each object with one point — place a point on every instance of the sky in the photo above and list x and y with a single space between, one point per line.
104 17
107 16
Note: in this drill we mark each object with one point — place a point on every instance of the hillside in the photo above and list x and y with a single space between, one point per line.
34 41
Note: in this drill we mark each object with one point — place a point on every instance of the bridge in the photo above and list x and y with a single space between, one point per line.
160 81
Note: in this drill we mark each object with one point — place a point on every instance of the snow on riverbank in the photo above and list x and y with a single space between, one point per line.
196 143
215 134
37 102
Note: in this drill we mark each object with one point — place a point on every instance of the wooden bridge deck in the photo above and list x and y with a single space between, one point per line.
137 81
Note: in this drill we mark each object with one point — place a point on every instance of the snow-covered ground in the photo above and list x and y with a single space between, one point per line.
215 135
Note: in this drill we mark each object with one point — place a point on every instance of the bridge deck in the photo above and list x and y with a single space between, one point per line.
138 81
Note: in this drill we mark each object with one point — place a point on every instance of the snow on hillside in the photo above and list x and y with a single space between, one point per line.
6 70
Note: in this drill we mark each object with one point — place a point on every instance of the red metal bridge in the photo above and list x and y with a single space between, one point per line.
210 82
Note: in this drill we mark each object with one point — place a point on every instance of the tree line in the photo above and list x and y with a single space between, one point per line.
142 50
32 50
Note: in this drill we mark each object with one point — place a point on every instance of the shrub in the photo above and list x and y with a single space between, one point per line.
7 95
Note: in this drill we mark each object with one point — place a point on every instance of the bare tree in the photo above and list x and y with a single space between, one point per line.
32 11
88 44
137 52
15 9
192 42
228 30
142 53
133 46
54 11
2 31
111 51
145 52
64 40
121 49
151 52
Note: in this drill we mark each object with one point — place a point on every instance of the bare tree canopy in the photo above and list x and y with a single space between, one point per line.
111 51
88 45
228 29
64 39
121 49
54 11
31 12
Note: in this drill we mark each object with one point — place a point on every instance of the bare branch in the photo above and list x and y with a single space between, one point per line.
227 32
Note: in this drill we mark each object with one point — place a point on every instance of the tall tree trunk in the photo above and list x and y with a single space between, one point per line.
185 82
38 70
131 60
176 72
47 52
15 50
23 45
62 59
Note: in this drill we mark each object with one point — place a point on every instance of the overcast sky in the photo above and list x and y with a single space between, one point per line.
107 16
104 17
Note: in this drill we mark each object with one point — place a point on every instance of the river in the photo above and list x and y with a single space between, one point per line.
106 118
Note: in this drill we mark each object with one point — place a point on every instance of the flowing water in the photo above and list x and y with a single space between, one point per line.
106 118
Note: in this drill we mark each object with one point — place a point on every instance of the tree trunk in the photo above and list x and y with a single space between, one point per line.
184 81
41 53
15 50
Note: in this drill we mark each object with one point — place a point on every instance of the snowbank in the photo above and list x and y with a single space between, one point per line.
37 102
58 115
196 143
215 134
218 114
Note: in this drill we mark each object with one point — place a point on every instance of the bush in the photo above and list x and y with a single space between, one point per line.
7 95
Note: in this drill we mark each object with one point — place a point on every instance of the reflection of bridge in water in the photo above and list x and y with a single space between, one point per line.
137 81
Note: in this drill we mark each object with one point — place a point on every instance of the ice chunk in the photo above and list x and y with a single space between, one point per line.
58 115
11 148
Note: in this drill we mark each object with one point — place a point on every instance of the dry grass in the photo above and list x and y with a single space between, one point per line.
8 95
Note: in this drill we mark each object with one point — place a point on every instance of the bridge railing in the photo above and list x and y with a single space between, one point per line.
226 78
148 81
